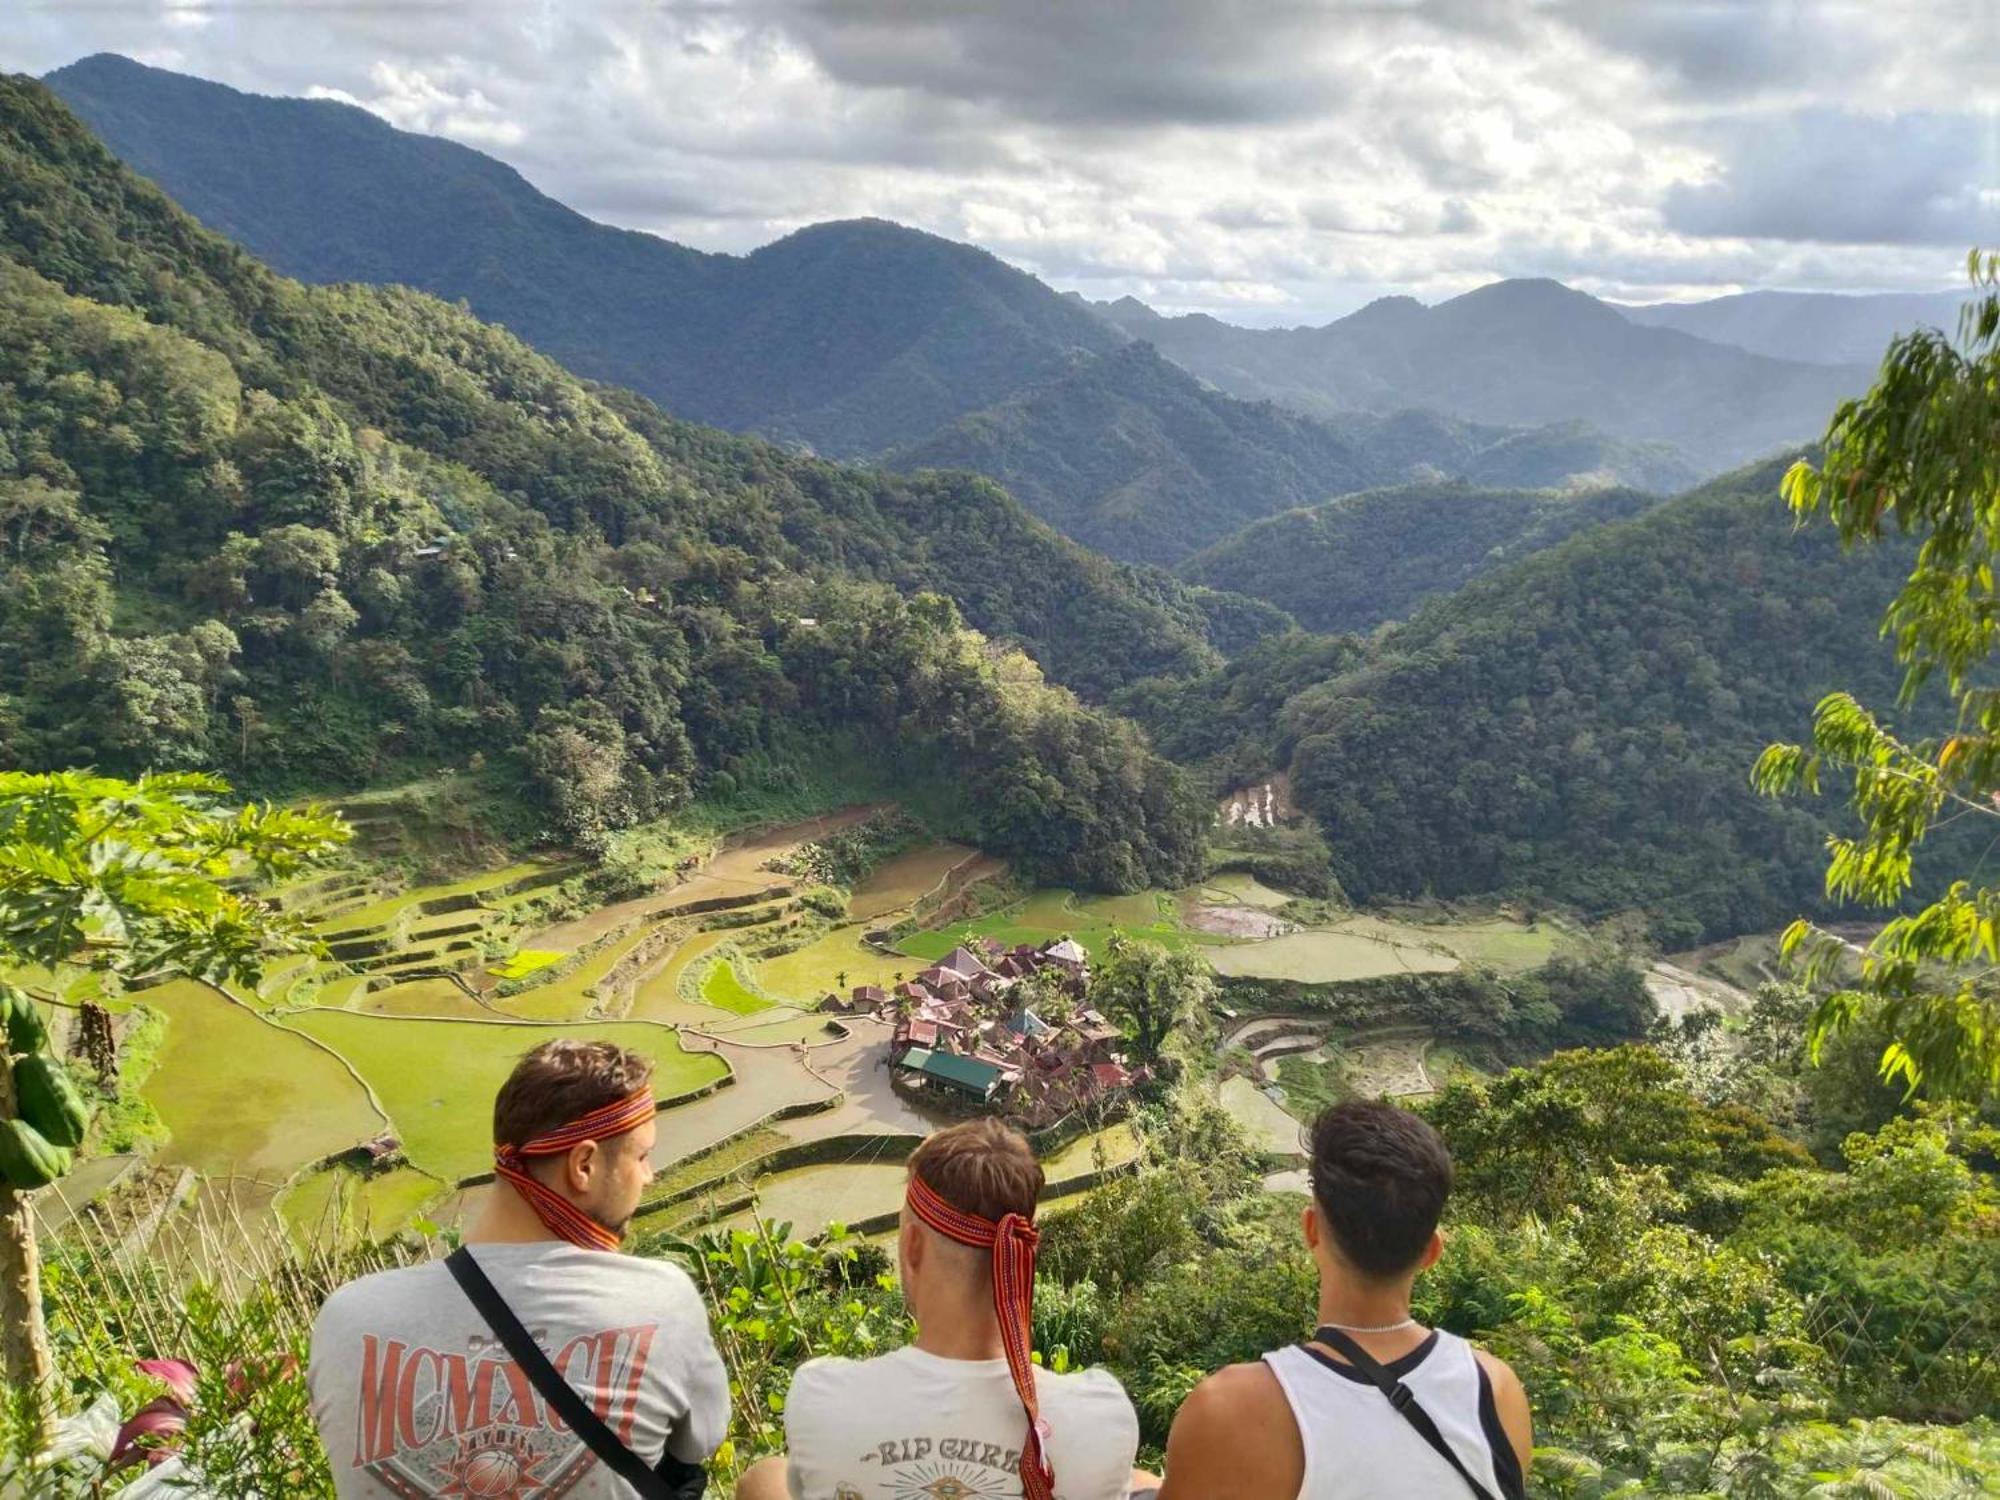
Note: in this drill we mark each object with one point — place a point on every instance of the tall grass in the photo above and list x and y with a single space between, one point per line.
233 1301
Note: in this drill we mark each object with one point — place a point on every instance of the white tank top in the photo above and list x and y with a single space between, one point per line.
1358 1447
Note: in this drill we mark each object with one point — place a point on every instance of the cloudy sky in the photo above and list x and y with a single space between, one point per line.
1272 161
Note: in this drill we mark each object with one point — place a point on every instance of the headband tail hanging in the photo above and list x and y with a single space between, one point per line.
1012 1240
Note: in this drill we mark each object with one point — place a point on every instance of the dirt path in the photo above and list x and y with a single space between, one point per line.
859 1067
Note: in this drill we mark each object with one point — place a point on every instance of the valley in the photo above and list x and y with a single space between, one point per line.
349 1097
1143 728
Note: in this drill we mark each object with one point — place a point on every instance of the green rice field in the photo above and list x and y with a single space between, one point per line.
437 1078
241 1094
338 1207
568 996
1321 957
243 1088
723 988
807 973
1050 914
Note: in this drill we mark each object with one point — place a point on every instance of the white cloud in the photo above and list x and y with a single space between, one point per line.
1270 160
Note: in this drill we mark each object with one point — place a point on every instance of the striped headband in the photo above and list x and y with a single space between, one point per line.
564 1218
1012 1241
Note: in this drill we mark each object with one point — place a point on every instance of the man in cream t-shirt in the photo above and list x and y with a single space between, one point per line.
948 1418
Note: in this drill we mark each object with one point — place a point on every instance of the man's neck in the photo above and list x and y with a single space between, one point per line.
506 1219
959 1328
1349 1303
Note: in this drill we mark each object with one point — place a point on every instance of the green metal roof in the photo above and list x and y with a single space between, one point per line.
916 1057
968 1072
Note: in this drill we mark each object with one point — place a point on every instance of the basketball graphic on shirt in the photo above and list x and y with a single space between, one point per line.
495 1467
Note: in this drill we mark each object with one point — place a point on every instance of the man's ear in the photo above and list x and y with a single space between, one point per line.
580 1164
913 1244
1432 1251
1309 1223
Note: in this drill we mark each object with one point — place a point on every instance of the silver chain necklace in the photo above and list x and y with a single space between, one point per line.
1385 1328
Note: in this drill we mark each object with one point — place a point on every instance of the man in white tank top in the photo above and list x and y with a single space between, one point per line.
1306 1423
964 1413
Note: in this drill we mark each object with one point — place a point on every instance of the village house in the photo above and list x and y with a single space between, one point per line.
960 1031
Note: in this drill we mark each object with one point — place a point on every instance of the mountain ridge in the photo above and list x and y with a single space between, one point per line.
1135 457
1517 353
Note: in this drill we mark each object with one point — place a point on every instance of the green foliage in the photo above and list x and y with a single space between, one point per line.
1915 455
399 540
1592 1000
1153 992
1352 563
125 879
1534 1139
1572 728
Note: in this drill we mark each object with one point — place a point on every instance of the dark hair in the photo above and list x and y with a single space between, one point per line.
981 1167
1380 1176
561 1081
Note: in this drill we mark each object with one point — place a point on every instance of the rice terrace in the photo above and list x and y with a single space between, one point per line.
347 1097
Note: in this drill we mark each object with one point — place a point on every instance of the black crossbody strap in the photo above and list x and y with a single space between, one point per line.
1403 1399
544 1377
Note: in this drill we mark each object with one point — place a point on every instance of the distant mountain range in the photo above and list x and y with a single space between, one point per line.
1518 353
864 339
1817 327
848 336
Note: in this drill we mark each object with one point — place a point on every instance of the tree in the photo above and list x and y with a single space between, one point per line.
1152 991
1919 453
103 882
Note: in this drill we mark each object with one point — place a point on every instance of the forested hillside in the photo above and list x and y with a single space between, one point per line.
848 336
322 536
1577 727
1131 454
1519 353
1354 562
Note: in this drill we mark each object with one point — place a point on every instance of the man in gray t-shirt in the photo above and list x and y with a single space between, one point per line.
414 1394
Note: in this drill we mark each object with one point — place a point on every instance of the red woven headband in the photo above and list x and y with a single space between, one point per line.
1012 1240
564 1218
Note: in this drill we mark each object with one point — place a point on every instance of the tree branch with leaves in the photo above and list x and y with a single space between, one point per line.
1919 454
104 884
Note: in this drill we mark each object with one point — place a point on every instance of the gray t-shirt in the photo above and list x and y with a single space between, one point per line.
414 1395
914 1424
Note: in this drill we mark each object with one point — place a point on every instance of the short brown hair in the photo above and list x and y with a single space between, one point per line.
1380 1176
981 1167
561 1081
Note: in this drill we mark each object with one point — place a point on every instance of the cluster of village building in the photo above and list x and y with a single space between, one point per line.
963 1028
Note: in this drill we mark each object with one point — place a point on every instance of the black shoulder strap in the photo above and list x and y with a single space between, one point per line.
544 1376
1403 1399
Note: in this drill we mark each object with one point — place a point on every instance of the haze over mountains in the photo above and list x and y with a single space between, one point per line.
1817 327
1520 353
864 339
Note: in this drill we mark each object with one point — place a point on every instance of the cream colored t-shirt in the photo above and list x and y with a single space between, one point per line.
911 1424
